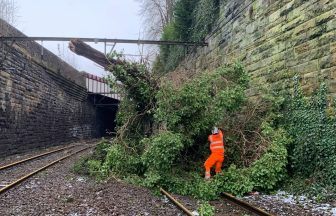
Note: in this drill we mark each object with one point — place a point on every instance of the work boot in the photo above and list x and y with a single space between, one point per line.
207 176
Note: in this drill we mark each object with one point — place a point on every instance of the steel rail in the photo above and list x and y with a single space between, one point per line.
177 203
106 40
34 157
245 205
39 170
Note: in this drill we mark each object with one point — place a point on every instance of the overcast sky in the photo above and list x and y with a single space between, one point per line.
80 18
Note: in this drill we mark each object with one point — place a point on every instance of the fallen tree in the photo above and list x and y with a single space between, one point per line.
80 48
134 77
138 88
162 131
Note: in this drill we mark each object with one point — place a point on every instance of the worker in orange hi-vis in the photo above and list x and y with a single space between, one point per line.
217 152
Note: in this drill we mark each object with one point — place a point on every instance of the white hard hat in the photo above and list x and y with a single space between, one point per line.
215 130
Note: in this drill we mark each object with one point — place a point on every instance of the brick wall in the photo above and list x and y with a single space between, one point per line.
43 100
274 40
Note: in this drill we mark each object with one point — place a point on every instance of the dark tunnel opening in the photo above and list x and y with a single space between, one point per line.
106 111
106 121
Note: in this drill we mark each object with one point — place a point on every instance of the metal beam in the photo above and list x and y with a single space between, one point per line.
102 93
105 40
103 105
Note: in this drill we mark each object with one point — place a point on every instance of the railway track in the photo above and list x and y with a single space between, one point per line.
50 158
177 203
35 157
226 196
245 205
11 174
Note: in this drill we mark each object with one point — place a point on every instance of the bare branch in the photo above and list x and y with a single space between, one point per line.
8 12
156 15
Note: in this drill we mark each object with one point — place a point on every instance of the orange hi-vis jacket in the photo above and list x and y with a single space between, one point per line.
217 143
217 153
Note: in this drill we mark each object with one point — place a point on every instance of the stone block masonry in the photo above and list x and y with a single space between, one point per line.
43 100
274 40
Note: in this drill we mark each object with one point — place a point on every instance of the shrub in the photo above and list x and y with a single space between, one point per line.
196 106
235 181
101 150
94 168
264 174
80 166
120 162
270 169
162 150
205 209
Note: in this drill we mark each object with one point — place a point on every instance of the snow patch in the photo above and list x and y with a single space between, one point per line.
195 213
81 179
282 197
31 184
333 211
165 199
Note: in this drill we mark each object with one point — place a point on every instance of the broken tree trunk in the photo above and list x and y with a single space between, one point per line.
80 48
137 82
131 77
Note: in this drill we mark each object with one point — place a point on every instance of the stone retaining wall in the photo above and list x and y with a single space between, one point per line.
43 100
274 40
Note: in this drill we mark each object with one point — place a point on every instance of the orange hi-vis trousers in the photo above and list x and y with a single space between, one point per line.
215 159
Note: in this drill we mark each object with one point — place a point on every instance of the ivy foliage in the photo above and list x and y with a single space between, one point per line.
311 123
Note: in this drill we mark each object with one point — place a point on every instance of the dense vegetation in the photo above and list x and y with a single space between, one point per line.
275 140
163 142
266 140
193 20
